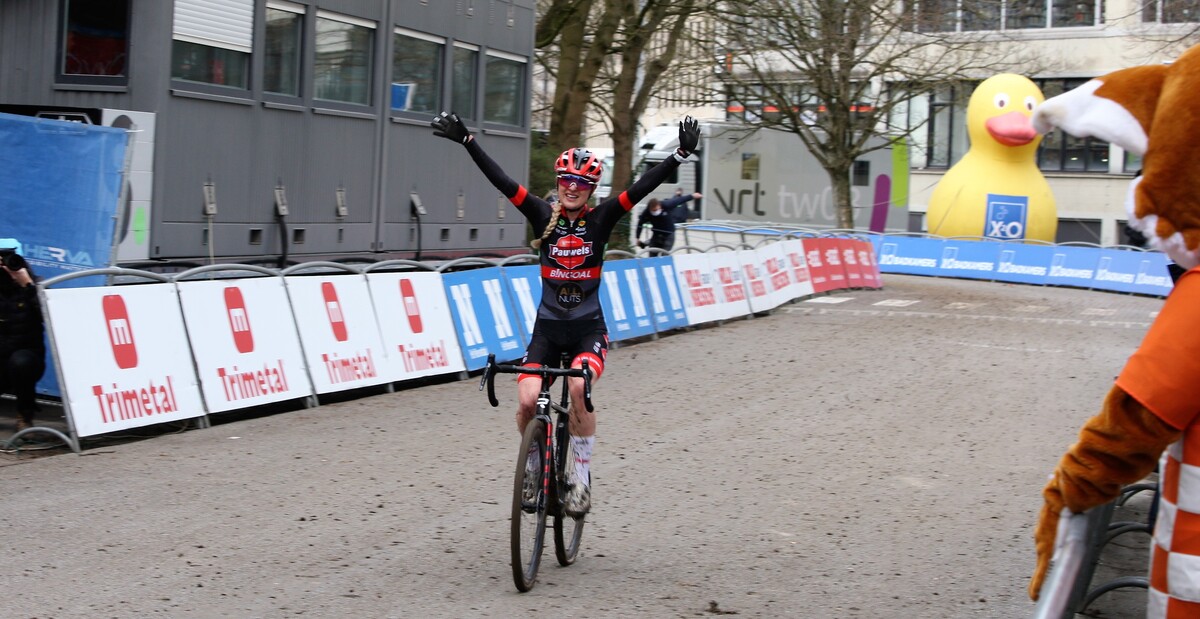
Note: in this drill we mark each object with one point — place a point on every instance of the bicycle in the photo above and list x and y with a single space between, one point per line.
544 463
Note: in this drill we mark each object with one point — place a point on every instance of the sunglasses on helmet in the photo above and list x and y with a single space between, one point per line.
571 181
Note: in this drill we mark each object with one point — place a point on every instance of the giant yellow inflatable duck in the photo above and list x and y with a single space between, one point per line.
997 190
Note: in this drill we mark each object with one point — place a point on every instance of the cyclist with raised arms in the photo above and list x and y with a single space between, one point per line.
571 253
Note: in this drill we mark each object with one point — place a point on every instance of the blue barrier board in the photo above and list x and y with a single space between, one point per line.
524 284
910 255
662 289
1073 266
483 317
626 310
969 259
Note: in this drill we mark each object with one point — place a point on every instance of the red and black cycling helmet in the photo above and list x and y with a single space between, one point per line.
580 162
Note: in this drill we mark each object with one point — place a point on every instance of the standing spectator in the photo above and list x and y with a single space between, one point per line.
661 218
22 347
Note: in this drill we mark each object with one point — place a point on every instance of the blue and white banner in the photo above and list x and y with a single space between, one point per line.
910 254
483 316
61 181
1078 266
626 312
1024 264
969 259
666 303
1073 266
525 291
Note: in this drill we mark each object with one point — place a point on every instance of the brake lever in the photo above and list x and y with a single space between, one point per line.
489 375
587 387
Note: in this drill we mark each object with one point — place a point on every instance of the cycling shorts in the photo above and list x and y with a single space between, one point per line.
580 339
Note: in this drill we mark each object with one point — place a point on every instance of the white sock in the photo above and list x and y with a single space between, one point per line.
583 456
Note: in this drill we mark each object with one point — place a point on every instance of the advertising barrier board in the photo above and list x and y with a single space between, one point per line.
666 302
123 356
244 341
969 259
525 289
483 317
341 341
797 264
626 312
910 255
414 323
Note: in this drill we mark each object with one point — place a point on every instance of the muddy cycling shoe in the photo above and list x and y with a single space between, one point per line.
579 501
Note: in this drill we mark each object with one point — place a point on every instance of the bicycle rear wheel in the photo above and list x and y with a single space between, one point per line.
568 530
529 506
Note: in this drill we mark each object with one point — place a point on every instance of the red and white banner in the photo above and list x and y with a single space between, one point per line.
414 318
768 265
870 268
848 252
341 340
124 357
711 285
797 266
244 341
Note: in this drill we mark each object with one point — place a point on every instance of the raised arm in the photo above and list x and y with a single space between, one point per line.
451 127
689 137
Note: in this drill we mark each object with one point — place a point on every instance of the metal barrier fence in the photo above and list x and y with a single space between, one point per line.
136 348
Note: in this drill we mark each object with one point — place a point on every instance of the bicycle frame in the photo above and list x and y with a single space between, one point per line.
548 500
557 430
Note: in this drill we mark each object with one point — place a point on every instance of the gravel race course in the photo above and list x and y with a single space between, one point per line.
865 454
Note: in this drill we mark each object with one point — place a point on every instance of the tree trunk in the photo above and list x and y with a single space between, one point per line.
839 179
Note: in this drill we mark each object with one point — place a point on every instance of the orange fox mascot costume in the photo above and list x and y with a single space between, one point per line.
1153 410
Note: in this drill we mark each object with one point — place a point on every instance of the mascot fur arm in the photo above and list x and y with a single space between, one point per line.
1117 447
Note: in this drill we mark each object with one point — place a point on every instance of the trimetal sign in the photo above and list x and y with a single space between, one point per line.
245 342
124 357
338 332
414 320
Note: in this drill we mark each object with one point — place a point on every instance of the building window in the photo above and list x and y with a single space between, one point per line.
417 71
94 44
1071 13
465 77
284 36
504 89
342 69
940 139
975 15
212 41
1171 11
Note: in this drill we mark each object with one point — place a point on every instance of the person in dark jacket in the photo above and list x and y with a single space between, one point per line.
22 347
661 217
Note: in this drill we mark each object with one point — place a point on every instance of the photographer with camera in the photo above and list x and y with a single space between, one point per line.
22 346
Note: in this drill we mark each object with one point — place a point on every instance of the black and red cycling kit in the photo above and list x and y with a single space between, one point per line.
571 256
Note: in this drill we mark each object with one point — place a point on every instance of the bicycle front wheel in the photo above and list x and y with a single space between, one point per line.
529 506
568 531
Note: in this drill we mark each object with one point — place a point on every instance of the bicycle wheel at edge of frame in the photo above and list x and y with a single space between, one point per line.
568 530
528 521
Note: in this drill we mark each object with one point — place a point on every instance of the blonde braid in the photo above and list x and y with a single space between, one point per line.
555 209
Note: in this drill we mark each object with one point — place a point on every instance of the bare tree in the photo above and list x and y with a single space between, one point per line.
607 57
833 72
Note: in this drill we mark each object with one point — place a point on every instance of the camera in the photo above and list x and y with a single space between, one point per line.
12 260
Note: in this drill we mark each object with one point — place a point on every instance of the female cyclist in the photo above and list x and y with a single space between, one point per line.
571 252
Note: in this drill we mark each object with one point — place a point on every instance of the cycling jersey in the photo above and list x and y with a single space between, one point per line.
572 255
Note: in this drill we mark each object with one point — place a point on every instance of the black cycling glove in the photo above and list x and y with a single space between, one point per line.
689 138
451 127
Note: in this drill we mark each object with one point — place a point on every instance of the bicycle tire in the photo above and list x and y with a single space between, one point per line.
529 517
568 530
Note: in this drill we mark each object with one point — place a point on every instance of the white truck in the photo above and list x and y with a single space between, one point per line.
769 177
